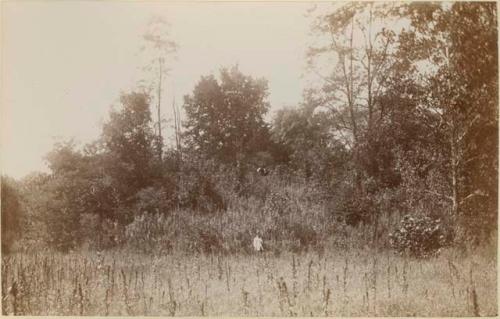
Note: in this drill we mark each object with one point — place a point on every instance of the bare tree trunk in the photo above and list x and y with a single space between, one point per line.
177 127
454 172
352 114
454 154
175 124
179 130
369 75
160 140
351 85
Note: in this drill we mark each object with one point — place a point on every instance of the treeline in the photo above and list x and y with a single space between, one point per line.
403 123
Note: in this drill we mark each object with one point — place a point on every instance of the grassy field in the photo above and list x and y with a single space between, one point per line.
346 283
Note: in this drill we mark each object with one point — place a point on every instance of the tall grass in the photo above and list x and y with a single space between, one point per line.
353 282
294 217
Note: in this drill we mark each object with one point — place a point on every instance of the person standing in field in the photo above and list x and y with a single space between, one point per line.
257 243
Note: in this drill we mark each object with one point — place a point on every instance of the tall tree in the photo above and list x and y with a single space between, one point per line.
307 141
64 196
225 117
355 55
361 51
158 48
460 41
128 146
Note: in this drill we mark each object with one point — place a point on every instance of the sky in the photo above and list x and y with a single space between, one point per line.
64 64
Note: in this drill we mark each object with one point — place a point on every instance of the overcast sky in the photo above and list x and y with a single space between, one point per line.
65 63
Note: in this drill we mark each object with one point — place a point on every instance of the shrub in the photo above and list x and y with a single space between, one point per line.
197 190
12 212
280 203
420 236
150 233
304 234
209 240
154 200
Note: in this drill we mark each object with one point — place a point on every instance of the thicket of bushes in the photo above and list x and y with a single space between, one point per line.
420 236
205 212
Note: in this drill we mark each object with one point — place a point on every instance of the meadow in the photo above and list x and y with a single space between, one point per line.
355 282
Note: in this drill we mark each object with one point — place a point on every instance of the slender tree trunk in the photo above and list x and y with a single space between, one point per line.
179 131
369 75
351 85
352 114
160 140
177 127
455 209
454 152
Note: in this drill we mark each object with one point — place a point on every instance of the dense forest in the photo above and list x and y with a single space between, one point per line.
395 147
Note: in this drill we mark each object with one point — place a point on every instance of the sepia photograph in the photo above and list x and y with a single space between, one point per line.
249 158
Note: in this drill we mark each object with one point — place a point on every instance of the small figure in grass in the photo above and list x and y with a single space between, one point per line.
257 243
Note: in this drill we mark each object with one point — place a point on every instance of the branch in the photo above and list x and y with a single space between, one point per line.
469 125
440 195
384 57
471 196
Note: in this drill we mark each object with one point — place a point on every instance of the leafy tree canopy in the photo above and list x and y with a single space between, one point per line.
225 115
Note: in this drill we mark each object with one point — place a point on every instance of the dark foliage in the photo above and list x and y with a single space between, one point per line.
225 117
12 213
420 236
